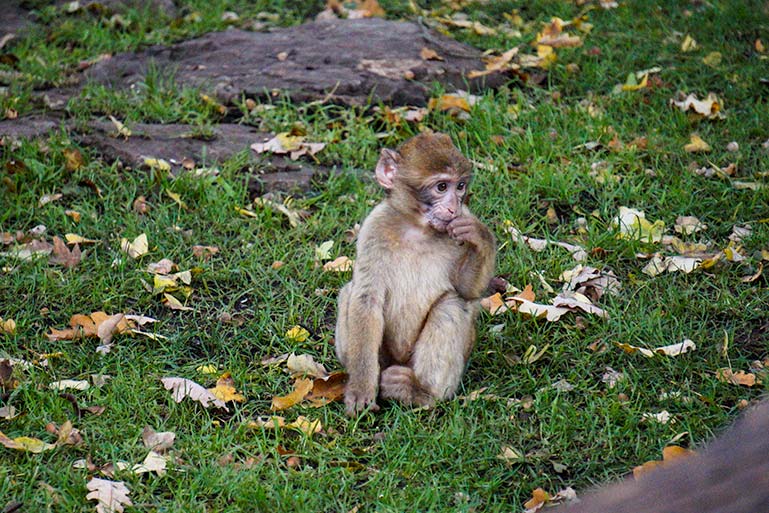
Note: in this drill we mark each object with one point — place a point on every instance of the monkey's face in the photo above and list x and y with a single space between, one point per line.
441 199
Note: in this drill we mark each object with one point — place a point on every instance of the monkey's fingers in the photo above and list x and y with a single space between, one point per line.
355 404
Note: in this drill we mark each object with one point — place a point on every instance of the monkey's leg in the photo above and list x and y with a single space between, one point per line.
439 356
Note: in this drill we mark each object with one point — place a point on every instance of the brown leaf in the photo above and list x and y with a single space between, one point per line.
204 252
302 387
157 441
428 54
327 390
140 205
73 159
669 454
727 375
538 499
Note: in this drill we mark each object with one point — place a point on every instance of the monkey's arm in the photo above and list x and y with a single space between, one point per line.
476 265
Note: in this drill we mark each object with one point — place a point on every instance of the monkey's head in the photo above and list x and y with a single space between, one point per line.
426 176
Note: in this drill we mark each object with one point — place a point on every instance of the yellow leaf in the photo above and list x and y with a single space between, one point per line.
7 326
121 128
633 224
632 85
173 303
712 59
302 387
73 238
25 443
244 212
207 369
297 334
697 145
323 252
138 247
177 199
73 214
449 102
306 426
669 453
225 389
689 44
163 283
159 164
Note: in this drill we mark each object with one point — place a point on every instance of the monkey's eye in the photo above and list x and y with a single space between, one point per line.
442 187
461 186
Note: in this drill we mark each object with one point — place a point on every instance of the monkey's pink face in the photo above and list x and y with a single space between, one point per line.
441 200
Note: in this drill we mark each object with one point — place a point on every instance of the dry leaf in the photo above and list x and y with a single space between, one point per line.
204 252
669 454
577 252
7 326
284 142
747 379
77 384
174 304
47 198
575 300
687 225
63 256
554 37
712 59
633 224
112 495
697 145
538 499
669 350
138 247
689 44
122 130
225 389
140 205
73 238
494 304
510 455
25 443
302 387
339 265
328 389
549 312
305 365
153 462
496 64
73 159
294 216
182 388
164 266
711 107
428 54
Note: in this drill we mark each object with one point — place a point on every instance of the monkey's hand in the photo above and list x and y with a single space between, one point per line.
467 229
359 397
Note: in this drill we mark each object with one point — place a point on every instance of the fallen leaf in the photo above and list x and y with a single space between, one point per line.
711 107
575 300
183 387
428 54
339 265
153 462
510 455
225 389
297 334
294 217
328 389
157 441
612 377
77 384
204 252
25 443
553 36
284 143
697 145
323 251
7 326
73 238
63 256
669 454
676 349
687 225
662 417
174 304
157 164
302 387
549 312
633 224
48 198
497 64
140 205
713 59
577 252
112 495
66 434
538 499
305 365
726 375
73 159
138 247
122 130
494 304
689 44
657 265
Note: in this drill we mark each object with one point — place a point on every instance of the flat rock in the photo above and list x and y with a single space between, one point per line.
351 62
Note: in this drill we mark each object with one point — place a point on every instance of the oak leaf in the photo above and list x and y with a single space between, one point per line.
112 495
182 387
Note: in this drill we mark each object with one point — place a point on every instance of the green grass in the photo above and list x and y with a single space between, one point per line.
398 459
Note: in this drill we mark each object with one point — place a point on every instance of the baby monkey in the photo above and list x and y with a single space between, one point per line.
406 320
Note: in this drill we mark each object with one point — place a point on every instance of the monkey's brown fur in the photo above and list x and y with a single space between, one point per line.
729 476
405 324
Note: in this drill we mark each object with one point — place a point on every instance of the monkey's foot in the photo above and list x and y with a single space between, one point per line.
400 383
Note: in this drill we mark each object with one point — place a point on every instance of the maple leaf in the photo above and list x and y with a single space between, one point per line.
183 387
112 495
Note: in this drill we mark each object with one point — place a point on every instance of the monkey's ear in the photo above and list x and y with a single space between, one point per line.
387 168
